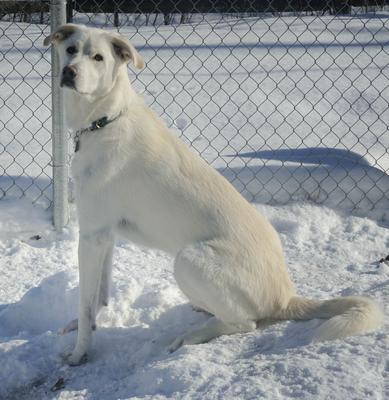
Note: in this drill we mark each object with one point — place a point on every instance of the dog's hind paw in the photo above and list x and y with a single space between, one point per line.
179 342
71 326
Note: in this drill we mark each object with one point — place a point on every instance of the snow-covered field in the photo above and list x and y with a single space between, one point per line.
321 137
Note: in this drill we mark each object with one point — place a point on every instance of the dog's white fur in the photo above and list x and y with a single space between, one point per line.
134 178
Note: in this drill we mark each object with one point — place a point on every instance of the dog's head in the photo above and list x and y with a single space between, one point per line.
90 58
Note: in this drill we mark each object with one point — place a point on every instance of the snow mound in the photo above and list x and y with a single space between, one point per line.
46 307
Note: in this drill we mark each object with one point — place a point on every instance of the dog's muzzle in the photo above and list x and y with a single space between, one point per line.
69 74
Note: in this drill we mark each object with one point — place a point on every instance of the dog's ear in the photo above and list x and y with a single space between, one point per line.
62 33
126 51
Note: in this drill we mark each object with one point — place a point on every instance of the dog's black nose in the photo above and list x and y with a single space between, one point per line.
69 72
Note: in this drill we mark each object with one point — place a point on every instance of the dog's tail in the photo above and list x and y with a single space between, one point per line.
346 316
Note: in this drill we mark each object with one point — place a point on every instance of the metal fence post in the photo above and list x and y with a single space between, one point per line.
59 135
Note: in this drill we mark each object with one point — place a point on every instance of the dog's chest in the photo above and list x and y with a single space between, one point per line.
86 171
95 165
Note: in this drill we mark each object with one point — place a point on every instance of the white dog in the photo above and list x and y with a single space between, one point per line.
135 179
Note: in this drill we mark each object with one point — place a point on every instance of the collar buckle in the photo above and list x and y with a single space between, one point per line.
100 123
95 125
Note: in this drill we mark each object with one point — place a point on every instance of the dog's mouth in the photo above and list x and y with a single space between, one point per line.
71 84
67 82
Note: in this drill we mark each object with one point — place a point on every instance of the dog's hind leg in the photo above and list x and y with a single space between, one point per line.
106 279
205 274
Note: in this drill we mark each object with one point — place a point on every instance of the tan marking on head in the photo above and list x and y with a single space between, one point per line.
126 51
62 33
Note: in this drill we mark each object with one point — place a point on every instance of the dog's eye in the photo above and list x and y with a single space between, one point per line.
71 50
98 57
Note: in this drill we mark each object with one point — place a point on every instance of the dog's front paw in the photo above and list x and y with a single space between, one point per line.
74 359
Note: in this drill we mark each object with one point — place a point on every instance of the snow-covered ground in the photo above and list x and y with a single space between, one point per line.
329 254
288 109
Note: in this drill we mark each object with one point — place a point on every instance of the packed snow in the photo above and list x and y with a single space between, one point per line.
277 143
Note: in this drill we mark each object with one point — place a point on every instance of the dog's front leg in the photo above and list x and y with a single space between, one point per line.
92 252
103 293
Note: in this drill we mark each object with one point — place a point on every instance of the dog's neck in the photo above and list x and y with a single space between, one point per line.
82 111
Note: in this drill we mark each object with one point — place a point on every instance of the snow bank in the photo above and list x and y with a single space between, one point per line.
337 182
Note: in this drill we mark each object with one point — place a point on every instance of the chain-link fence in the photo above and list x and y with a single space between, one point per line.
25 104
289 100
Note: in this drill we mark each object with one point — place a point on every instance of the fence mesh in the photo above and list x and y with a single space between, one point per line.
289 100
25 105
